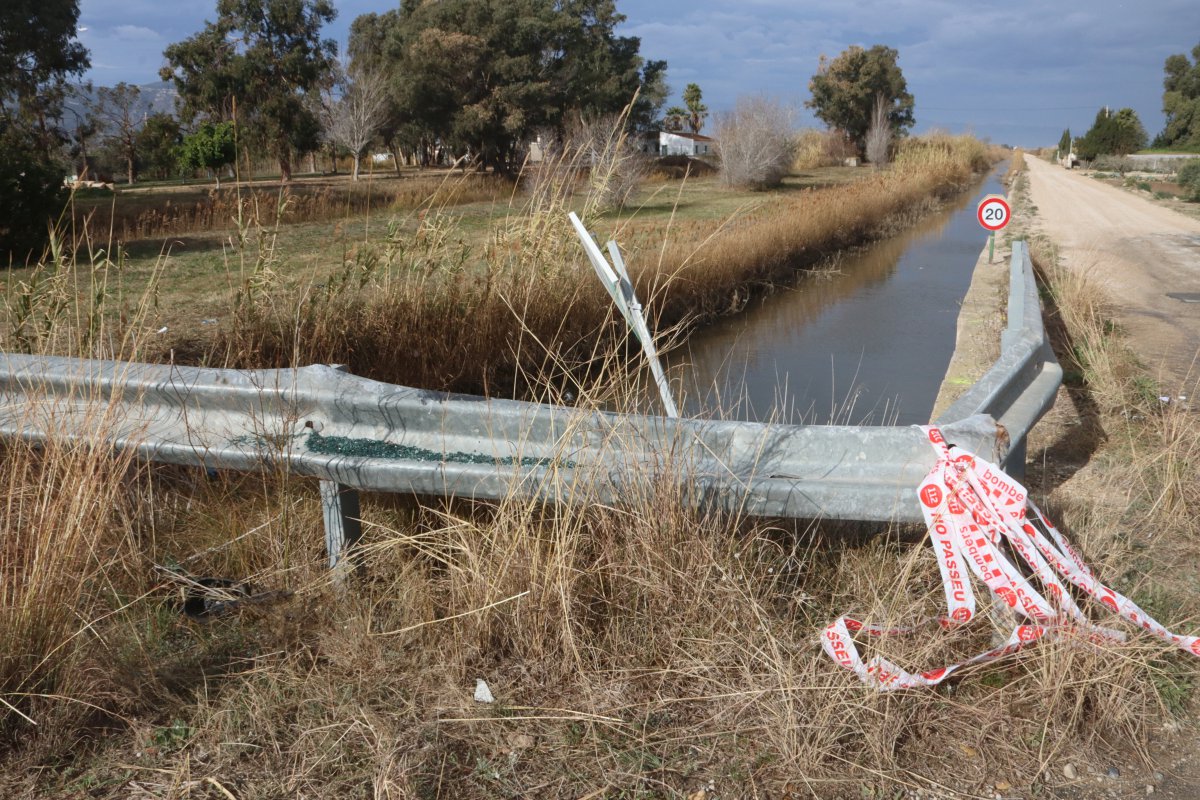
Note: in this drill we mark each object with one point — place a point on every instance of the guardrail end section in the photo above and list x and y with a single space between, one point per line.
343 523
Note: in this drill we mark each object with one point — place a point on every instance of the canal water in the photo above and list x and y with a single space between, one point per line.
866 342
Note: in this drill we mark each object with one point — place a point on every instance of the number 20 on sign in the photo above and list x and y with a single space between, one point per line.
993 214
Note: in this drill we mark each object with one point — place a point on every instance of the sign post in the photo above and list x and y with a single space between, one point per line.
616 281
993 214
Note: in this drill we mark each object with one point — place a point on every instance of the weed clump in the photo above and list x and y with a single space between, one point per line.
1189 179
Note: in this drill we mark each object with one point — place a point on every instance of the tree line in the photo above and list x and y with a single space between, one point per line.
470 82
473 79
1119 132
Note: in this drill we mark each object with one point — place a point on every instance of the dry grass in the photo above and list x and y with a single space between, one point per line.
1016 166
1156 441
145 214
62 504
821 148
635 651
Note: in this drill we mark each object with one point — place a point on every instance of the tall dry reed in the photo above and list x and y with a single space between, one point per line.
66 518
135 216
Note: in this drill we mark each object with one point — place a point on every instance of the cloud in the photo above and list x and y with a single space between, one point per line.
1002 68
135 33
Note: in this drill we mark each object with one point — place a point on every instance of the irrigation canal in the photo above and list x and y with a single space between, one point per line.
866 343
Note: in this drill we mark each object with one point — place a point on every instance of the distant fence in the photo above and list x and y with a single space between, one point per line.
356 434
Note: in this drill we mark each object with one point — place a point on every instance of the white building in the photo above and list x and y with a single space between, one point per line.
668 143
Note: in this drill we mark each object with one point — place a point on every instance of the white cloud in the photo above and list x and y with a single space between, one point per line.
1019 65
135 33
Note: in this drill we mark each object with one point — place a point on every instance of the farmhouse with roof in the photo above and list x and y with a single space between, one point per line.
674 143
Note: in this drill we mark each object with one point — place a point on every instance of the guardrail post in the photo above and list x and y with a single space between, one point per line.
1014 462
343 517
343 522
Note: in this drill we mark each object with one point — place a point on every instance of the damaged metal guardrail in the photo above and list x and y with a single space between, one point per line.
357 434
1020 387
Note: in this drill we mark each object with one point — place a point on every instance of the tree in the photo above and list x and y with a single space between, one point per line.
1113 133
755 143
81 128
844 91
353 117
1064 144
693 113
121 114
480 77
264 57
31 193
211 146
643 116
369 35
1181 102
675 118
38 50
697 111
158 145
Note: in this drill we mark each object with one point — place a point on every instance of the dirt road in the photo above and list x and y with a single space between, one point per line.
1143 253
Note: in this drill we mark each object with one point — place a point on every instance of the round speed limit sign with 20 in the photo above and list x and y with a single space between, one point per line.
993 212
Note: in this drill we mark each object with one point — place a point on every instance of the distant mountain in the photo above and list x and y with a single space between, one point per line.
156 98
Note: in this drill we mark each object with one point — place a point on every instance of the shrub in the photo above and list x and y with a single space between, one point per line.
879 135
755 143
1189 180
1117 164
598 156
816 148
940 151
617 167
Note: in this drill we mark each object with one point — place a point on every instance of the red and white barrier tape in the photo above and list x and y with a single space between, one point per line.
972 508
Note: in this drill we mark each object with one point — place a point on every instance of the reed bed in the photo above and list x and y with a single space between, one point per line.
128 217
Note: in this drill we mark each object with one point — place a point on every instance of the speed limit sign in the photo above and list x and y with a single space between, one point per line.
993 213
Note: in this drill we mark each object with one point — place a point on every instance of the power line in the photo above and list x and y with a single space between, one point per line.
923 107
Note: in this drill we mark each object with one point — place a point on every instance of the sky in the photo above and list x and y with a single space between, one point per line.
1015 71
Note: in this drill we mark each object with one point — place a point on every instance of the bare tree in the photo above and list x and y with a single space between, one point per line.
353 118
598 156
755 142
879 133
119 111
609 150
